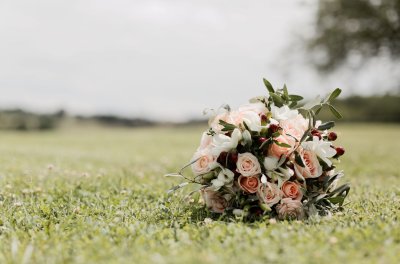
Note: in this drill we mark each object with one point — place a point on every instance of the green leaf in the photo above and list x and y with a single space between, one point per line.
335 112
336 200
327 125
298 159
318 109
294 97
227 127
285 92
281 144
292 104
265 143
305 135
269 86
276 134
277 99
334 94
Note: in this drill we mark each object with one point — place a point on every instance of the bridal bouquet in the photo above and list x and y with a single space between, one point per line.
269 157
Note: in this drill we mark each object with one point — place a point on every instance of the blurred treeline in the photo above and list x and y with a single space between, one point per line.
354 109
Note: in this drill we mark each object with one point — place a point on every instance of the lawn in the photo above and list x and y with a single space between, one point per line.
99 196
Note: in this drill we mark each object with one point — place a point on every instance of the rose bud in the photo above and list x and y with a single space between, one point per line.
332 136
339 151
263 118
273 128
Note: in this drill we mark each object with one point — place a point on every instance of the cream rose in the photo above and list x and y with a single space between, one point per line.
248 184
312 168
204 163
290 209
213 200
291 190
269 194
248 165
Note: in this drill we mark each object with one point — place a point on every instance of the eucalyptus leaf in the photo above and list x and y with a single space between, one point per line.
294 97
298 159
335 112
281 144
278 101
327 125
334 94
269 86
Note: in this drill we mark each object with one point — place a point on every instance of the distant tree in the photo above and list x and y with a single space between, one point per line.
367 27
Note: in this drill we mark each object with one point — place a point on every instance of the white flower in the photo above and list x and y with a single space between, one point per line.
257 107
283 113
321 148
225 177
264 179
246 138
223 143
271 163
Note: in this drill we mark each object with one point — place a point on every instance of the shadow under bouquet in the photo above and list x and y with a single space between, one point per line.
269 157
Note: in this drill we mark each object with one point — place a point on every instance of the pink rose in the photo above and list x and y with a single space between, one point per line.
312 168
248 165
205 162
276 150
269 194
248 184
291 190
290 209
213 200
295 126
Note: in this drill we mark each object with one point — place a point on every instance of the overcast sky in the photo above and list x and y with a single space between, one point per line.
166 59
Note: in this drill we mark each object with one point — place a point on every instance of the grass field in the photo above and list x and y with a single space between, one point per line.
98 196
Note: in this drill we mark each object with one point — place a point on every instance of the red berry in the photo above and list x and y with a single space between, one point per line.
262 140
316 133
339 151
332 136
273 128
233 157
